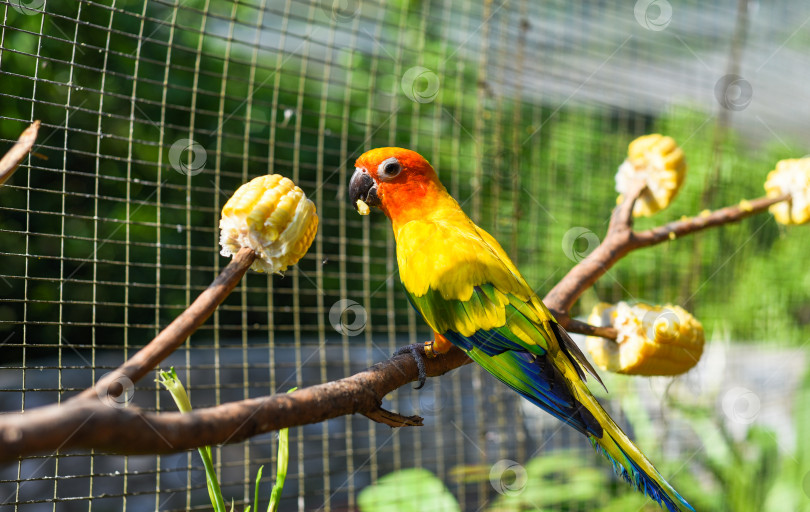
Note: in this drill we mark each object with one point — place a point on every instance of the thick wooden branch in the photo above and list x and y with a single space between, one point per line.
90 423
11 160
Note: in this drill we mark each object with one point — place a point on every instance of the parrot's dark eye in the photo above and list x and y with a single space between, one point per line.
389 168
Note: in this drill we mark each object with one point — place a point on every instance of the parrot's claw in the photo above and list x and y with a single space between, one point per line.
419 352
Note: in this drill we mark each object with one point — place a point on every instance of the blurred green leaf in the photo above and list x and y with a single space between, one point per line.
408 490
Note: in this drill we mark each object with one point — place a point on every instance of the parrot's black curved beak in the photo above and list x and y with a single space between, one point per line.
362 186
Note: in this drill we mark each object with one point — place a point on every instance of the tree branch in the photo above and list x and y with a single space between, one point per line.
691 225
15 155
90 423
579 327
621 239
621 221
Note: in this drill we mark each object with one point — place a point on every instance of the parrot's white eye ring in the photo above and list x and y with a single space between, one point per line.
389 168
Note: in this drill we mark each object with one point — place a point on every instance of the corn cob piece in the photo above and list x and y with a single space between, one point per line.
271 216
652 340
660 163
362 207
790 177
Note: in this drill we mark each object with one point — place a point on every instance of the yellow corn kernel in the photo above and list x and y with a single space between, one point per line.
790 177
658 161
362 207
652 340
271 216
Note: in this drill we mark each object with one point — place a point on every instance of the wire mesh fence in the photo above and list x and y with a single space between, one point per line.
154 112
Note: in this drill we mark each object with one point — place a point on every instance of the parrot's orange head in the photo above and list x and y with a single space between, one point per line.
398 181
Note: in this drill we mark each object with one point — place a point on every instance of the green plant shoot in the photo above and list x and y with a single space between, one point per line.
281 466
173 385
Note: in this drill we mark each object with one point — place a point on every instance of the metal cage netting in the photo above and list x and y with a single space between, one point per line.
154 112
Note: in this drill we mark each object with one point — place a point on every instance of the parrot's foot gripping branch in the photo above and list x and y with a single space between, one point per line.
393 419
419 351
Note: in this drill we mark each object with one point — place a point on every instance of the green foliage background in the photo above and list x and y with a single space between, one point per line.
749 280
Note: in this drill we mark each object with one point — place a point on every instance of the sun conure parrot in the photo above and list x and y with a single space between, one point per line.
471 294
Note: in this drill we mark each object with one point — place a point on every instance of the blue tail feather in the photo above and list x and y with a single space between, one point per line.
643 482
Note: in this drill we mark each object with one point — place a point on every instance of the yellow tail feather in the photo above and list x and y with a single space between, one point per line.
627 459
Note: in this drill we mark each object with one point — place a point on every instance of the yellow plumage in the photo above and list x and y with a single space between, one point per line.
449 254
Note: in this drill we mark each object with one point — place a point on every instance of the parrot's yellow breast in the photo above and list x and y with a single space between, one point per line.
460 279
453 256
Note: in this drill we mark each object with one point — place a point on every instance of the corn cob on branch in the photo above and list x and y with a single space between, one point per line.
268 224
